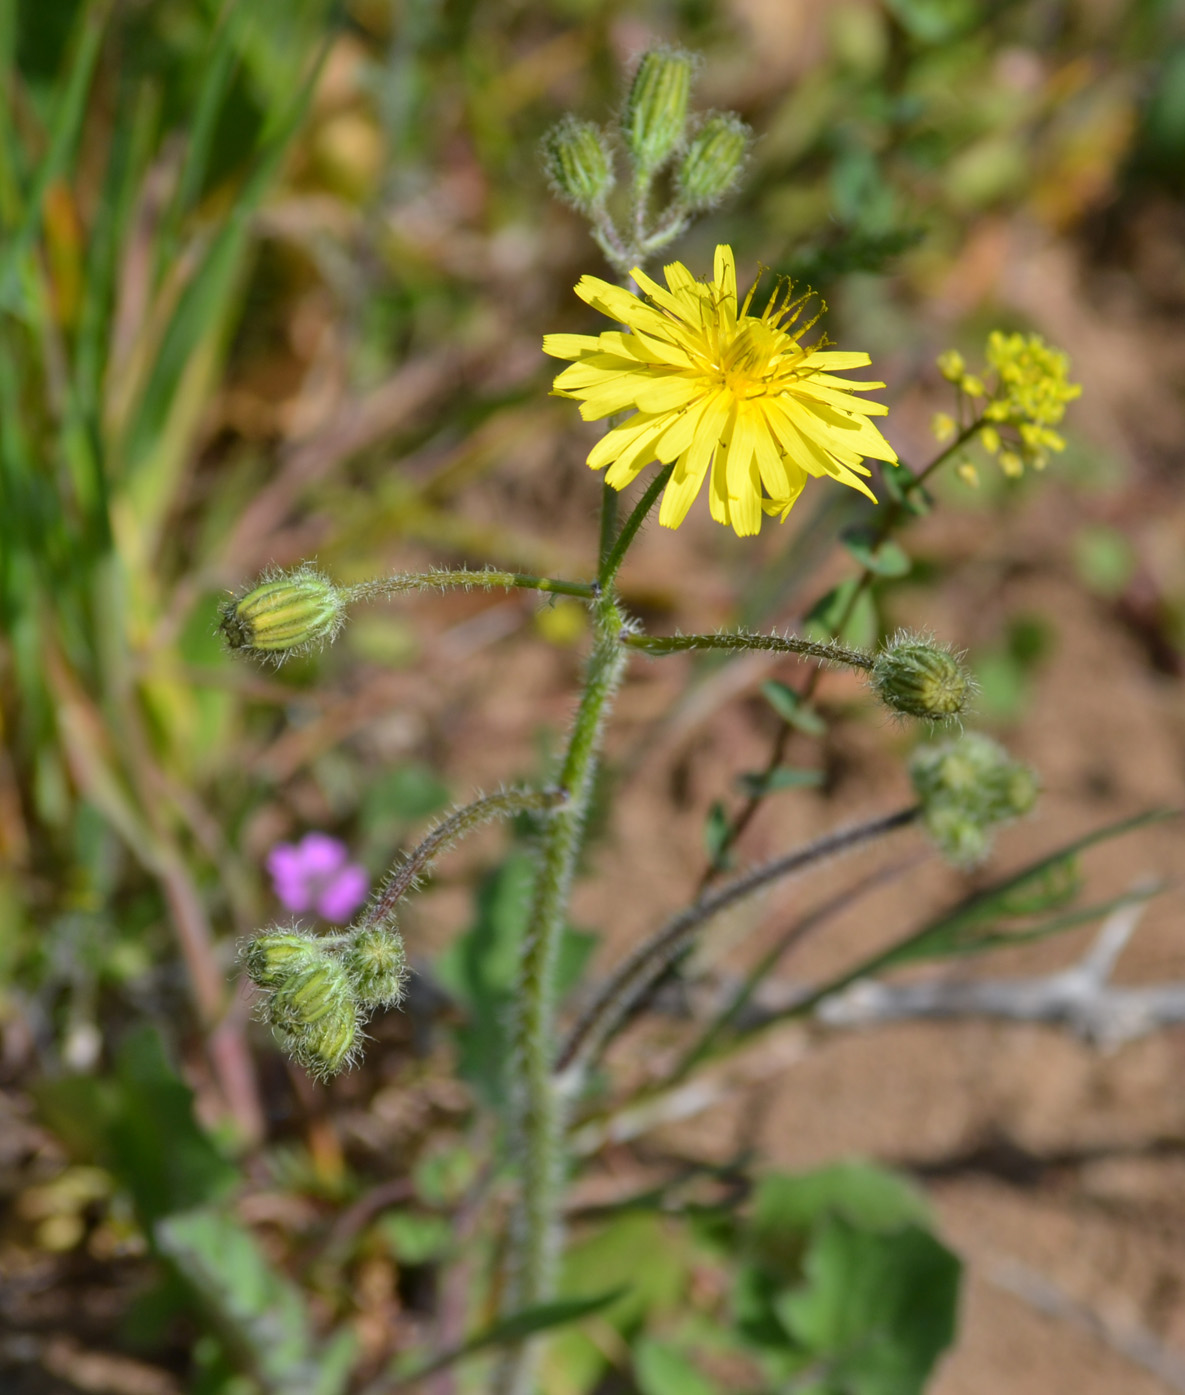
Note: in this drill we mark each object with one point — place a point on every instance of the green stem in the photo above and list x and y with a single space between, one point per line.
609 498
540 1124
826 652
412 866
486 579
612 563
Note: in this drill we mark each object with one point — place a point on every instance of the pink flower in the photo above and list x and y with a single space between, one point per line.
315 875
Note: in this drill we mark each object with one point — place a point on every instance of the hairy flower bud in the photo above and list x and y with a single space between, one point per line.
920 678
326 1046
713 162
311 994
285 613
276 955
578 164
377 965
966 788
656 109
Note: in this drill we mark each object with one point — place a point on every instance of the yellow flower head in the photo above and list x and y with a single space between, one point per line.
725 395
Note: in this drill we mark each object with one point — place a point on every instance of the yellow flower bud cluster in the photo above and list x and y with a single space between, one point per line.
1028 399
316 990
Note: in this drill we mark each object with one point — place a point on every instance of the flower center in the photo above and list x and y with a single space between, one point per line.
755 360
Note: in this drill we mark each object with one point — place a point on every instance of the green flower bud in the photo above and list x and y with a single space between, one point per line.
920 678
377 965
311 994
578 164
276 955
326 1046
656 109
968 787
714 160
960 839
285 613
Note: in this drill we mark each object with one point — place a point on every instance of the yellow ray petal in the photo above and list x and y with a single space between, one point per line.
677 497
833 359
569 345
667 394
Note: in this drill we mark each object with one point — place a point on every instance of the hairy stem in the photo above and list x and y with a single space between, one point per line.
413 865
827 652
540 1123
486 579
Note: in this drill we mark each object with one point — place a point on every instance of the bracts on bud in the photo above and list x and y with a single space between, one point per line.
655 114
579 164
713 162
917 677
284 613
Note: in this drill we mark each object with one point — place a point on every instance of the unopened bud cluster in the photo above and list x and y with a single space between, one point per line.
967 788
284 613
316 991
1020 398
917 677
704 158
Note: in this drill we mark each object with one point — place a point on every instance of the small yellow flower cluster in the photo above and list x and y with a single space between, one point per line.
1030 394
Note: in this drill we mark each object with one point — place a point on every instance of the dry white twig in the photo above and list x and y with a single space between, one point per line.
1081 998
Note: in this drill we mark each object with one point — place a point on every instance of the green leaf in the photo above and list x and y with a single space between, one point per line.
792 709
883 558
480 970
659 1369
407 793
139 1124
259 1314
67 122
717 834
784 777
414 1237
903 492
543 1317
935 21
877 1308
868 1196
846 612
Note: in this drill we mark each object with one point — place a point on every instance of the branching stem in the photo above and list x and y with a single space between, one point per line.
891 517
641 971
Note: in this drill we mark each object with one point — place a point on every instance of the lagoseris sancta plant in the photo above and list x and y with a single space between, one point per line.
720 391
